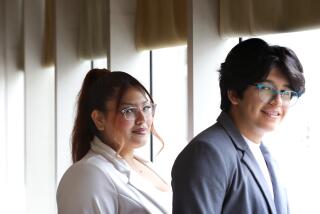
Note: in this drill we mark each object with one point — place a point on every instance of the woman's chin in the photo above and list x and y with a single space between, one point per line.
138 143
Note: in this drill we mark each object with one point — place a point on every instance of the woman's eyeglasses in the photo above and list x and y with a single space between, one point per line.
131 112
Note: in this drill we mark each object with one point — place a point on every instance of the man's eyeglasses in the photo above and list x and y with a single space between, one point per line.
131 112
267 93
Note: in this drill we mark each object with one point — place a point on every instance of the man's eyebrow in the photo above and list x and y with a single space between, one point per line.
270 81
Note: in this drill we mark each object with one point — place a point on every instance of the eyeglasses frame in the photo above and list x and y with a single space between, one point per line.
276 92
140 109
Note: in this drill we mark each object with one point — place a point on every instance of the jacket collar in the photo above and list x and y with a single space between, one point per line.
107 152
133 179
247 157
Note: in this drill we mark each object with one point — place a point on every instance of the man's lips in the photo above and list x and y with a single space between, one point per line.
272 113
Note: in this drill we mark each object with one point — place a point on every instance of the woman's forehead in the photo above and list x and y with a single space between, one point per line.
131 96
134 95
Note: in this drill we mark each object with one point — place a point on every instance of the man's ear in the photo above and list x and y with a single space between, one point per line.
98 119
233 97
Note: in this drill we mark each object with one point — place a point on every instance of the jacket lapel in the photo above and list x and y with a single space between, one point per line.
146 189
280 197
133 179
119 164
247 157
251 163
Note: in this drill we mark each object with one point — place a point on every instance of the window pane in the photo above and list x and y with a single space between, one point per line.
100 63
170 94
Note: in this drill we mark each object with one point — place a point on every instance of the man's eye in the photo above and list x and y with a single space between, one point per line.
266 88
287 93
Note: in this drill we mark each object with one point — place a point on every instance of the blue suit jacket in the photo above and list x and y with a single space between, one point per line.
217 173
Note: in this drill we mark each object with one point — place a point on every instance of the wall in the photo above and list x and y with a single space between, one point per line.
3 153
206 50
39 115
69 73
12 107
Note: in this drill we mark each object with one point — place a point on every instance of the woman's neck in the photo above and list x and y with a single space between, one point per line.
127 156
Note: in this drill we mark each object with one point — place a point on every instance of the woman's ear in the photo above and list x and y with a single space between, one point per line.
233 97
98 119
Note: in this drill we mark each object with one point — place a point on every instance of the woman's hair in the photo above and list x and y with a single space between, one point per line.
99 86
251 61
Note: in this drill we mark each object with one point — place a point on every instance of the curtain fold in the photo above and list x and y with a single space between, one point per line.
256 17
160 23
92 43
48 51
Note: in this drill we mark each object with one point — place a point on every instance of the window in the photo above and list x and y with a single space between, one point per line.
99 63
295 144
169 86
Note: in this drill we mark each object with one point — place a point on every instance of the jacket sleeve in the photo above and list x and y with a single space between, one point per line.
85 189
199 179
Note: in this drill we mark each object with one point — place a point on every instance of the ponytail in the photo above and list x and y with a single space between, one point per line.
84 128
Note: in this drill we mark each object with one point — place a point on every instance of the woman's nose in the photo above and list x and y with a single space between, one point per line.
140 117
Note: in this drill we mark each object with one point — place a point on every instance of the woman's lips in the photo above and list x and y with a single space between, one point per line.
140 131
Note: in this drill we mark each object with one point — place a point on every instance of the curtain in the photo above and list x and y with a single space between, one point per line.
255 17
48 51
93 27
160 23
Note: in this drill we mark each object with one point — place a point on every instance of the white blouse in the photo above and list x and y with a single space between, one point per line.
102 182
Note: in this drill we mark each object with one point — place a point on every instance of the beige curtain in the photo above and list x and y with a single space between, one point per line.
20 56
48 53
255 17
93 29
161 23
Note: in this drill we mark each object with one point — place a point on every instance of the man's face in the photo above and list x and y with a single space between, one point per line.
253 116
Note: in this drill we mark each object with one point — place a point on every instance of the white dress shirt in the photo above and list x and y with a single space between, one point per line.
256 151
103 182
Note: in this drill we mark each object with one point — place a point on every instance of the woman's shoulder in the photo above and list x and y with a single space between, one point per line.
87 172
85 186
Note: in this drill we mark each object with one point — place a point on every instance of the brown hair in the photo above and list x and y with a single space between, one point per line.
98 87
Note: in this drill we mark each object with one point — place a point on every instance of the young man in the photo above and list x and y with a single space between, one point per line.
226 168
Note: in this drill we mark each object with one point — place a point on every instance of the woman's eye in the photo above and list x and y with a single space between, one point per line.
146 108
127 110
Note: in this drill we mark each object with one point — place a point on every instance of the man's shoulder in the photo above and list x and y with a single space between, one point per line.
215 133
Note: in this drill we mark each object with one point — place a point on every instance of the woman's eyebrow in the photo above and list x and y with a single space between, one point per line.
132 104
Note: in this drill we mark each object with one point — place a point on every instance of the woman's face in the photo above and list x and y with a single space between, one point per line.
130 124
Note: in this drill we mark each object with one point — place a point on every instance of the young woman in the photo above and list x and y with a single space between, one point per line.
114 117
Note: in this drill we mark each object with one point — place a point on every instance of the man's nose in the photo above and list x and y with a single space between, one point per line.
276 99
